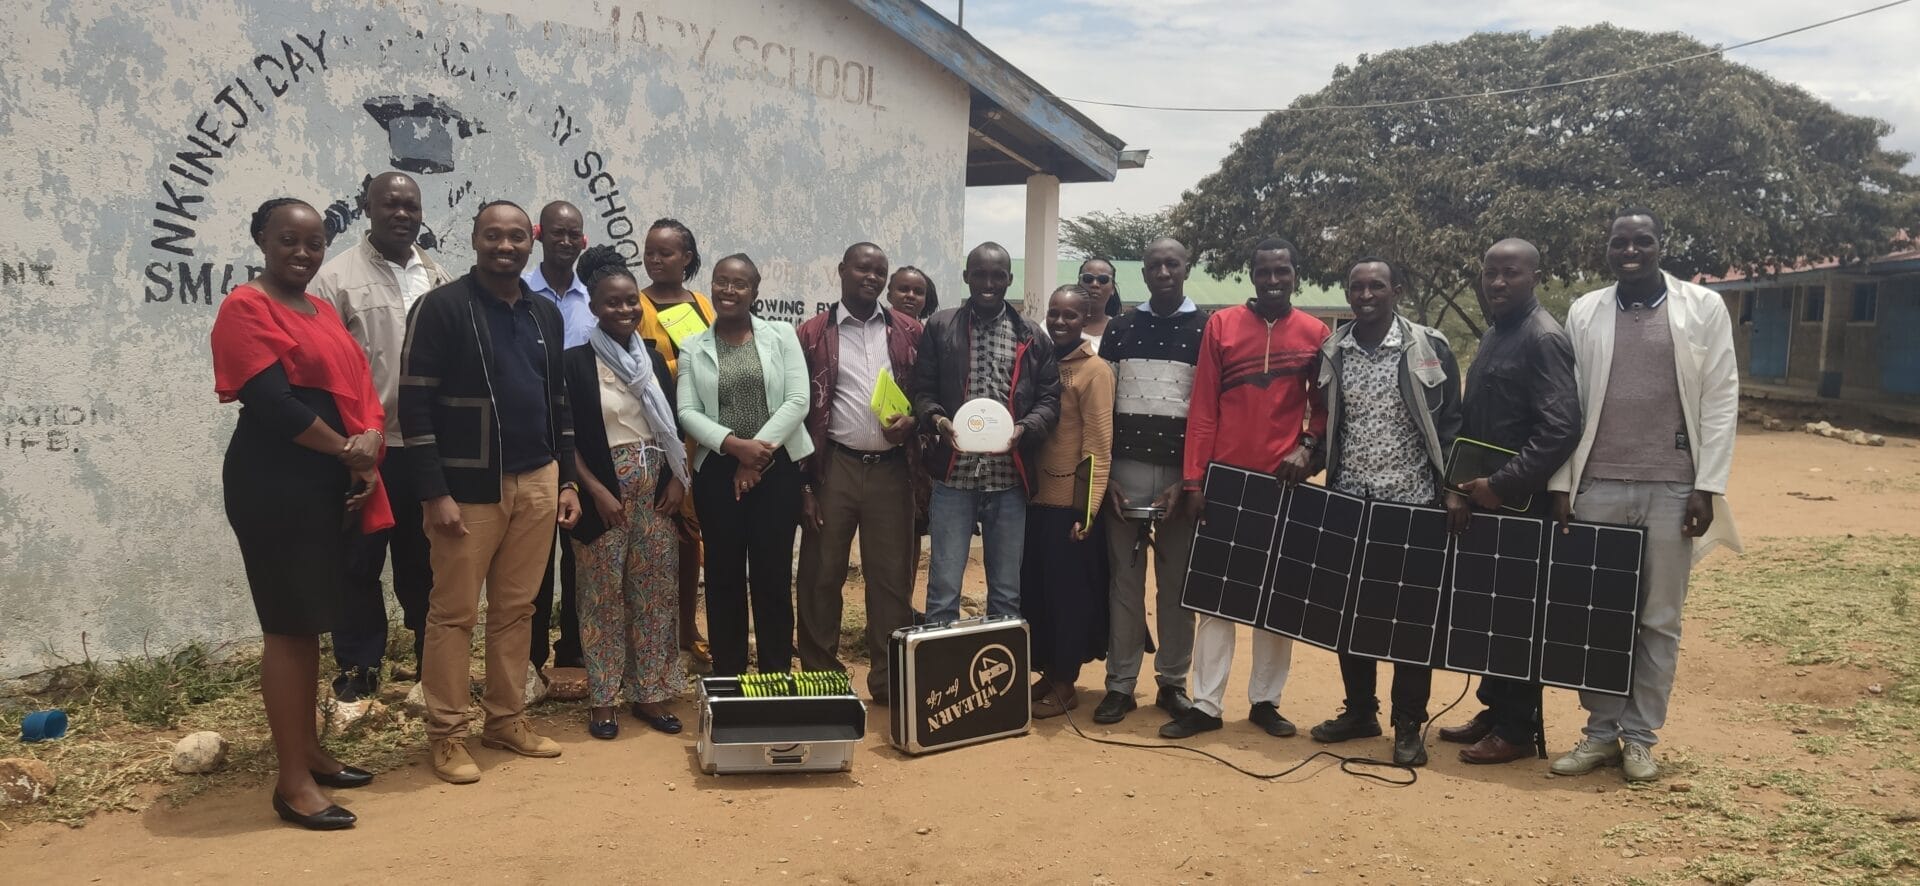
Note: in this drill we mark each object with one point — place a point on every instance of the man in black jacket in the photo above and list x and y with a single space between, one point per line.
1520 396
982 349
489 437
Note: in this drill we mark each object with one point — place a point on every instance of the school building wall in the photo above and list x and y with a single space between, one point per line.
1872 352
136 139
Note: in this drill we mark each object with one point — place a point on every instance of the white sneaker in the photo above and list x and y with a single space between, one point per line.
1638 763
1588 755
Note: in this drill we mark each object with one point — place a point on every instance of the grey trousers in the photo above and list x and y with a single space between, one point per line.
1127 599
1661 507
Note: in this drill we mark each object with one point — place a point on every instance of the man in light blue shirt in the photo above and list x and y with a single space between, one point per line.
562 237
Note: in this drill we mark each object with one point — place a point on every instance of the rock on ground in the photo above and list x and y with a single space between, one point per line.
199 753
24 781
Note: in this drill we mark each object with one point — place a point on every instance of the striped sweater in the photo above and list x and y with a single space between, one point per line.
1153 359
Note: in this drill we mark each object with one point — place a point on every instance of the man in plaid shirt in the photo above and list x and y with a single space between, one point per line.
982 349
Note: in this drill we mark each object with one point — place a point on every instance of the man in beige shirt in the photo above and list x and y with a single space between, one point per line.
373 284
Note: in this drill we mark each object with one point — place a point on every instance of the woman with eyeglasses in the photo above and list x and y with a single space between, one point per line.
1097 277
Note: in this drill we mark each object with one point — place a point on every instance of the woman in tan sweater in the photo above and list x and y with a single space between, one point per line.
1063 577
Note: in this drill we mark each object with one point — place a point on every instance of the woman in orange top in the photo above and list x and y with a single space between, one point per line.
301 483
670 314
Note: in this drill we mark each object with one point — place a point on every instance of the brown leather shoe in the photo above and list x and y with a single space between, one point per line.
1470 732
1494 749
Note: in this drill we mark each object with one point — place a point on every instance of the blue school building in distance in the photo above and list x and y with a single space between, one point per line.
1831 331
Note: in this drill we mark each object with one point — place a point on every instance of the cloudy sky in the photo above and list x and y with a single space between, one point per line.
1263 53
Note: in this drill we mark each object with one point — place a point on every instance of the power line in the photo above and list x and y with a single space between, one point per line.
1497 92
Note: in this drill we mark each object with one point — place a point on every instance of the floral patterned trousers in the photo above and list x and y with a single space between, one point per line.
629 592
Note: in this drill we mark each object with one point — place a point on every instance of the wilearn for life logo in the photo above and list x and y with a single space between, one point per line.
991 675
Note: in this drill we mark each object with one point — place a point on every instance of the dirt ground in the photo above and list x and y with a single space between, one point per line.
1050 806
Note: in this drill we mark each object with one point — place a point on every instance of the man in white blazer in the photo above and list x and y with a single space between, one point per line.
1660 388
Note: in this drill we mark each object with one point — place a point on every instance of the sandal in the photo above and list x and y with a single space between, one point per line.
701 652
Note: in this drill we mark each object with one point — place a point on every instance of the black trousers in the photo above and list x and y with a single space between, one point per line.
749 556
566 652
361 639
1514 708
1412 685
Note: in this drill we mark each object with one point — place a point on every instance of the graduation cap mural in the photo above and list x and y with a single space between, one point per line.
421 130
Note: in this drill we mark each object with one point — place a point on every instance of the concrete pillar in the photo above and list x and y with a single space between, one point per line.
1043 245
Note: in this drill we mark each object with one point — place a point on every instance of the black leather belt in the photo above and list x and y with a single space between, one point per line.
870 458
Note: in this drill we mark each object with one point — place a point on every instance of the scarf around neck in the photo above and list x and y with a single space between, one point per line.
634 368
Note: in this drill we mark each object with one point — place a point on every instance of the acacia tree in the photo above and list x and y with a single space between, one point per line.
1748 173
1121 236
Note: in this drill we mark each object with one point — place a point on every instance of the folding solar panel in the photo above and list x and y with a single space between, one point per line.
1233 545
1396 600
1592 607
1319 544
1495 588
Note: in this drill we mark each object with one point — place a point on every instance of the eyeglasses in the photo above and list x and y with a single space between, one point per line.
1102 279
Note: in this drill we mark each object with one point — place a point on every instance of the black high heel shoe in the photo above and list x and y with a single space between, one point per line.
347 777
666 723
332 818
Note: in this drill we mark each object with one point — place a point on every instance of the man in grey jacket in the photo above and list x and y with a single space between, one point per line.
372 284
1393 408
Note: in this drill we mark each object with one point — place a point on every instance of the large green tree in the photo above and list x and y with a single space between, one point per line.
1121 236
1749 173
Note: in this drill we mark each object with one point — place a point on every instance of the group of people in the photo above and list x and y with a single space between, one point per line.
665 432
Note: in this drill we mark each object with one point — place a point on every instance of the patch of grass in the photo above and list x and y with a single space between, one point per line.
124 719
1839 602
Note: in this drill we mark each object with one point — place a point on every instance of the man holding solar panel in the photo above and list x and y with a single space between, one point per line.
1393 407
1657 448
1520 402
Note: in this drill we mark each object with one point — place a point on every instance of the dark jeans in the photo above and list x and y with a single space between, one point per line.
361 639
1514 708
566 652
749 541
1412 685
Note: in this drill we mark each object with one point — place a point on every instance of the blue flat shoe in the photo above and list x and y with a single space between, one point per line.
666 723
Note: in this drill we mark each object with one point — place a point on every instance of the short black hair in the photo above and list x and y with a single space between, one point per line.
1086 296
1277 244
692 245
491 204
742 258
391 175
859 246
1116 304
933 292
1394 277
258 226
598 263
1659 227
990 248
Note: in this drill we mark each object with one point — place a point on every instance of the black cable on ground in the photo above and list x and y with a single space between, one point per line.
1348 765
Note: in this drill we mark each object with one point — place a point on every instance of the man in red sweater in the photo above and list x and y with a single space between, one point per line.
1256 385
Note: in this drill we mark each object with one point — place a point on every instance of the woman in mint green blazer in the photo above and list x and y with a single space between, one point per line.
743 400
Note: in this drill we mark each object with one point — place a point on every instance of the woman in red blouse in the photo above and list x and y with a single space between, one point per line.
301 482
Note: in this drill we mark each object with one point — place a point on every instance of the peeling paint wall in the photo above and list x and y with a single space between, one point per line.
136 138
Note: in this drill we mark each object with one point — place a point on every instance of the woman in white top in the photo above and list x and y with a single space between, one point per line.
633 474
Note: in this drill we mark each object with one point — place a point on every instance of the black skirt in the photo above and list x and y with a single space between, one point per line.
287 506
1063 592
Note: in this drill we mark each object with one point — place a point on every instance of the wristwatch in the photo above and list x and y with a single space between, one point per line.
570 485
1309 442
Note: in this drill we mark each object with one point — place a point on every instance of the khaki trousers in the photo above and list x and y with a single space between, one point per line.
875 498
505 550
